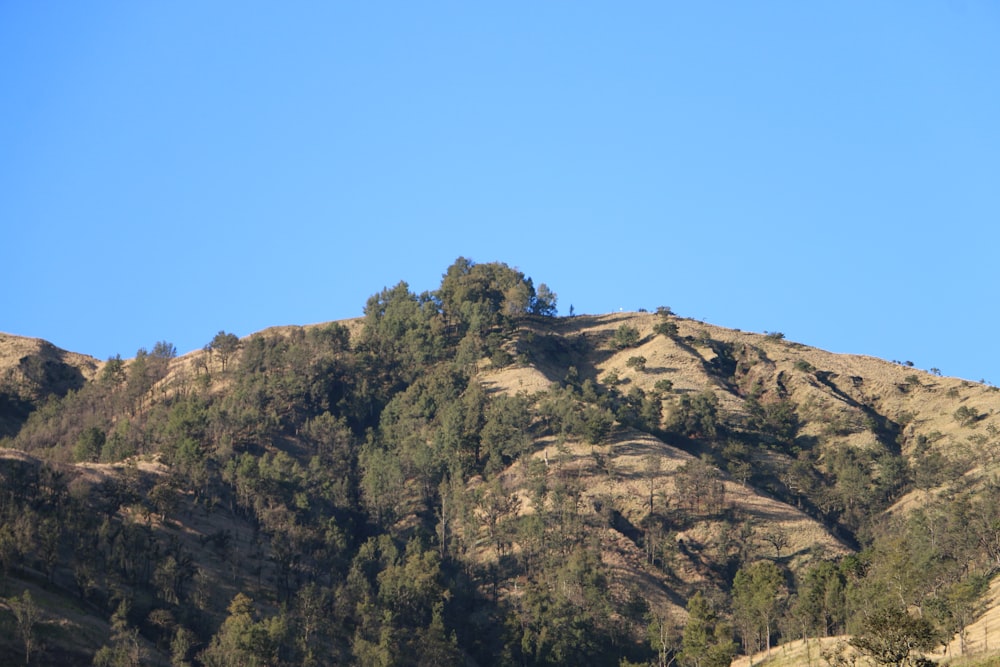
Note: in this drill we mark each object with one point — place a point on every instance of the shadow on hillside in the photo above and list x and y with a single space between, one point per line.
660 370
45 373
666 452
578 323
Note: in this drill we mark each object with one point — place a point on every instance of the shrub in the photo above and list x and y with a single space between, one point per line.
638 363
663 386
804 366
966 416
625 336
666 329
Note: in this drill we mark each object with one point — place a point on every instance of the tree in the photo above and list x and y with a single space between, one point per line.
652 463
164 350
707 641
224 345
113 373
664 636
666 329
27 615
776 419
695 416
637 362
434 646
545 301
124 649
775 536
959 605
891 635
88 446
180 646
381 482
402 331
479 296
625 336
967 416
699 486
819 608
159 359
242 641
758 598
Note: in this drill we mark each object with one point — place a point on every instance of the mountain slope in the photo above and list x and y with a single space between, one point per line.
462 478
32 370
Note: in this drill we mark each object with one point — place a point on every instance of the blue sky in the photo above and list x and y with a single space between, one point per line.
830 170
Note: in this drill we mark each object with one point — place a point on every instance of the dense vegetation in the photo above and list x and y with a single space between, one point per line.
353 494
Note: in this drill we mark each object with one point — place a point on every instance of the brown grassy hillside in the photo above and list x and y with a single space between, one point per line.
32 369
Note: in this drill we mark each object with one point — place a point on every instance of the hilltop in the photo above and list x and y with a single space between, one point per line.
31 370
463 477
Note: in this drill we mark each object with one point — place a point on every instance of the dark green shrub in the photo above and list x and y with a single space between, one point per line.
638 363
625 336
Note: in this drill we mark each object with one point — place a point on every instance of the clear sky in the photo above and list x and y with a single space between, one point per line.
826 169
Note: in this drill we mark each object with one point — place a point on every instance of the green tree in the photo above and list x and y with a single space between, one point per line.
435 646
504 431
695 416
545 301
180 647
637 362
159 359
664 636
958 605
666 329
758 598
164 350
402 333
88 446
819 608
700 487
26 614
224 346
477 297
381 482
124 649
707 641
891 636
411 586
241 640
967 416
625 336
777 420
113 373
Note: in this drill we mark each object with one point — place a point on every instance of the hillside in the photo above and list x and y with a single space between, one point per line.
463 477
31 370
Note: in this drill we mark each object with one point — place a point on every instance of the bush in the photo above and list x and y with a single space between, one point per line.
625 336
663 386
966 416
804 366
638 363
666 329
